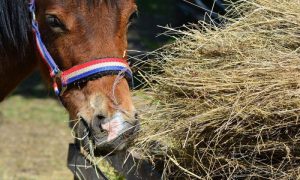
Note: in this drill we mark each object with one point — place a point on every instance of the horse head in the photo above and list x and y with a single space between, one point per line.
78 31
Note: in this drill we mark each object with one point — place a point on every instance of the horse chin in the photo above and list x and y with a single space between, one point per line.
110 149
98 149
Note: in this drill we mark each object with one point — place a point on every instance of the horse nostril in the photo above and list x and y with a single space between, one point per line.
97 123
100 117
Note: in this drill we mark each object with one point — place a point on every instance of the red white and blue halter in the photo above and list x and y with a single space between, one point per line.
78 73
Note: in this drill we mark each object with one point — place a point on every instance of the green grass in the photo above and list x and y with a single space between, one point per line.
19 108
33 102
34 134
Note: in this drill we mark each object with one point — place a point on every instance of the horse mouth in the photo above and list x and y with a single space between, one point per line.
100 143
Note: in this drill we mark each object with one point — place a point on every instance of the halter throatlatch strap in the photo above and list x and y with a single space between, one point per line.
106 66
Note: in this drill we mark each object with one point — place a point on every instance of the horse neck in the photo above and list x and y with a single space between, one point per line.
14 69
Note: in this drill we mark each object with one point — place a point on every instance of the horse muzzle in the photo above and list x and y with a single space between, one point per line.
103 136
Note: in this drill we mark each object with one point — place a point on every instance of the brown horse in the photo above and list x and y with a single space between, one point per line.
74 31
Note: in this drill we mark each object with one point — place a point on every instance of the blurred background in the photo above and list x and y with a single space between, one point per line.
34 126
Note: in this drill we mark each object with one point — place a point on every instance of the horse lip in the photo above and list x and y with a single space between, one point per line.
127 132
99 140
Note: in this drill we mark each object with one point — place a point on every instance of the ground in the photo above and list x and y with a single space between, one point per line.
34 138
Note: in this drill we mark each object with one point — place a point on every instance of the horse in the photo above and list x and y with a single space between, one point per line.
78 38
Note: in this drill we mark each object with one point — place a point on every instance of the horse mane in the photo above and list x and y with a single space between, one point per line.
14 26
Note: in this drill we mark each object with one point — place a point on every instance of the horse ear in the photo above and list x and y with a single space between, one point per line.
15 26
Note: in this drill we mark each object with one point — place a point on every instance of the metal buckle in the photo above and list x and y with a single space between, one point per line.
58 81
31 6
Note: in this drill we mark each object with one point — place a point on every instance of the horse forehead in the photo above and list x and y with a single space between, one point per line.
90 10
89 4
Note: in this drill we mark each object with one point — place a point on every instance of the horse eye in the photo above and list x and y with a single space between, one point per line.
55 23
133 16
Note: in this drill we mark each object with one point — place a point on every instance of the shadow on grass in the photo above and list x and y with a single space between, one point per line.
34 87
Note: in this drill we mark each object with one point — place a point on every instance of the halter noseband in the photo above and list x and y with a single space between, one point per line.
78 73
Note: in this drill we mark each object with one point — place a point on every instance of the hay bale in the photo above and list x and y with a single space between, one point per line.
226 101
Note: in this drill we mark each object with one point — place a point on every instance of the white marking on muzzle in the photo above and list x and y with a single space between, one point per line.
115 127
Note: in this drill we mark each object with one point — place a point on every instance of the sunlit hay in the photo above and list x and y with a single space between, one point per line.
226 101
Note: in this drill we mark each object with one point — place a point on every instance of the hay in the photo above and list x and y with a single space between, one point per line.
226 101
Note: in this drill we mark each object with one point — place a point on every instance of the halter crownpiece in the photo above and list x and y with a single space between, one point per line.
78 73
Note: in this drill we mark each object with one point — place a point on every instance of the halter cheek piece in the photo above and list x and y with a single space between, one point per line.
78 73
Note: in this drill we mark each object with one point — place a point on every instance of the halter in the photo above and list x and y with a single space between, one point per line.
78 73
